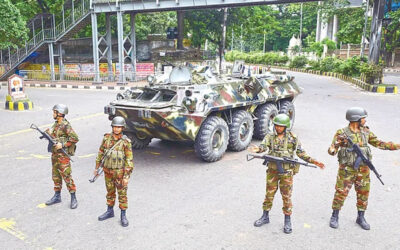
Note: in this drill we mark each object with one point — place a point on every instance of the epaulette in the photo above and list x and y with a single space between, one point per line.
107 134
126 138
292 134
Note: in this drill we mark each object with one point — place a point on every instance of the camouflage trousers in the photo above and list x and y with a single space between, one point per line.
345 179
62 171
285 184
113 178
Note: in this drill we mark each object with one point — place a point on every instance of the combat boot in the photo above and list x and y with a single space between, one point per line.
55 199
263 220
361 221
108 214
287 228
124 220
74 202
334 219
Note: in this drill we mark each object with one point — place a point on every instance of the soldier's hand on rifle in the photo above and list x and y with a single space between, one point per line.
319 164
96 172
125 182
58 145
340 140
254 148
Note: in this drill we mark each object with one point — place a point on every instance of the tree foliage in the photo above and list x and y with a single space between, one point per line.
12 25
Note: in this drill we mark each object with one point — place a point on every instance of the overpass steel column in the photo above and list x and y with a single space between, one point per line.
120 26
51 57
133 45
95 44
60 62
109 46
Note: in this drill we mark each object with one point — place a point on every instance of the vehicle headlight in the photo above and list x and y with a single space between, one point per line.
150 79
110 110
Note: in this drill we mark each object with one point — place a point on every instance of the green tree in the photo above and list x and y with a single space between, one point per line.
391 36
13 27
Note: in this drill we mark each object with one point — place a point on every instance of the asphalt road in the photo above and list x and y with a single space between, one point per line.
177 201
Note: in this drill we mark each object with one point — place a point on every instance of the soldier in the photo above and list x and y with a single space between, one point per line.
66 138
347 175
282 143
118 166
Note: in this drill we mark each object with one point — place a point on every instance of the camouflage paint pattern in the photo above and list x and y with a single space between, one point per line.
159 111
114 177
61 169
347 175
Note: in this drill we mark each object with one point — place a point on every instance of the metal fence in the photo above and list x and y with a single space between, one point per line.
13 56
84 76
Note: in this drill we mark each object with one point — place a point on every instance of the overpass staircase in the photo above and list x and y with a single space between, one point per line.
78 18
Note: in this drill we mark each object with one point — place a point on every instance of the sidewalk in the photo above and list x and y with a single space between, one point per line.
80 85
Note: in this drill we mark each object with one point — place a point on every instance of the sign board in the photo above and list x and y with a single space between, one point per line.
16 87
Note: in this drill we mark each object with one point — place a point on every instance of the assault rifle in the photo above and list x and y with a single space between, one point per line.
355 148
101 170
279 161
51 140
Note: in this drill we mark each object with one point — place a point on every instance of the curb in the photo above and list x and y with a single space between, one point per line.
380 88
391 70
69 86
19 106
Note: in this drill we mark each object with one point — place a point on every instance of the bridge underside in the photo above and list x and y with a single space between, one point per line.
101 6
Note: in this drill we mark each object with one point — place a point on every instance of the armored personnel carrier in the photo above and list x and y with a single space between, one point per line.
213 111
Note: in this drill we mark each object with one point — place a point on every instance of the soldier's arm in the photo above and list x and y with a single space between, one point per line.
374 141
72 136
333 149
301 153
265 145
128 160
100 154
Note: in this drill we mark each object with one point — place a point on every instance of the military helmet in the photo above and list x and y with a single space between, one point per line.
118 121
61 108
355 114
282 120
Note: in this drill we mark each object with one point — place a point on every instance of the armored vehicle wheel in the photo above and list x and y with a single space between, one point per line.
287 107
138 142
265 113
240 131
212 140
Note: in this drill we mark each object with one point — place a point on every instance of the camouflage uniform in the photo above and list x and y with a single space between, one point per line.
117 166
64 133
347 175
286 147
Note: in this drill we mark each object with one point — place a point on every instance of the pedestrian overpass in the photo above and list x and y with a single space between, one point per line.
50 33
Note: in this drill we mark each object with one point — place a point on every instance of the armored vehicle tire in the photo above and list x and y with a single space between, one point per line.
138 142
265 113
212 140
287 107
240 130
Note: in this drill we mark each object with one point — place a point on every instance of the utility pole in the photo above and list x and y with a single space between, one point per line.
264 42
221 57
364 30
301 24
241 38
232 40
